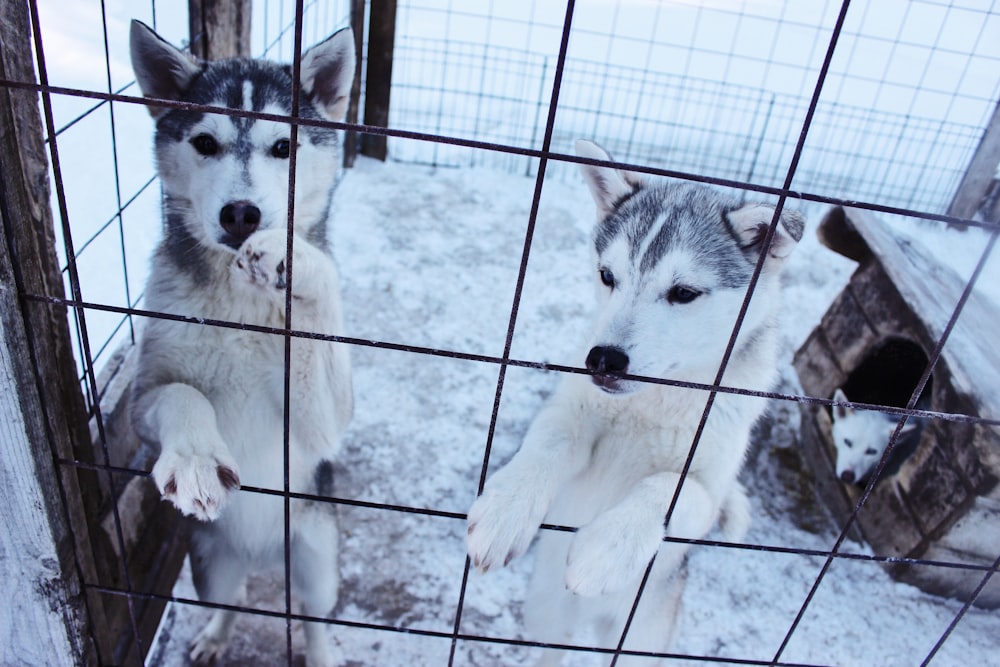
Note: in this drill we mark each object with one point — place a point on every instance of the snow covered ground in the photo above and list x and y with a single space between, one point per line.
430 258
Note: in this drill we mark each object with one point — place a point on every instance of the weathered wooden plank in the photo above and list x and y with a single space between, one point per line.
45 543
378 83
35 545
351 138
219 28
980 172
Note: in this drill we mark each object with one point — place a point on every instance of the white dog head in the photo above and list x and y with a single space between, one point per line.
673 263
226 176
861 437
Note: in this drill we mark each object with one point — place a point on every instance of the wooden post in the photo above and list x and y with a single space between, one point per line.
351 137
219 28
41 408
381 40
980 173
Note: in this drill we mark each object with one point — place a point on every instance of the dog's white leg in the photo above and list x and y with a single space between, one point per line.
550 611
505 518
612 551
655 623
195 470
218 577
315 577
734 515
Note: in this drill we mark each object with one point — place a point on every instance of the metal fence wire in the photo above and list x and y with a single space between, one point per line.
483 101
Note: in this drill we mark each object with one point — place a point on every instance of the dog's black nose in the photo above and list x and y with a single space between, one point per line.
239 218
847 476
607 360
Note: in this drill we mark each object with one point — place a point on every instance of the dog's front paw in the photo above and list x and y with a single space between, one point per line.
261 259
198 484
207 648
611 553
502 523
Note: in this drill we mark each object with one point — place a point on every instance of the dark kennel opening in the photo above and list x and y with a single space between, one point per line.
889 374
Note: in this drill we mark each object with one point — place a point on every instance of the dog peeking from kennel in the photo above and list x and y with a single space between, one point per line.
939 486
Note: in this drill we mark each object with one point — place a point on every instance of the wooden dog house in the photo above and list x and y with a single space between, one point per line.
943 502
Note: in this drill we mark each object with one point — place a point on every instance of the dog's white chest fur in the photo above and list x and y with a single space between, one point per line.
608 455
645 434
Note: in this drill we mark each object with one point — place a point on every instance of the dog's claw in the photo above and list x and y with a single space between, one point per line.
280 283
230 480
197 484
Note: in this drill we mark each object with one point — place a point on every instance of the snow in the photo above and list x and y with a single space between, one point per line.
430 258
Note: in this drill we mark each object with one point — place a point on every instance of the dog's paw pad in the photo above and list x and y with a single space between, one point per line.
198 485
261 265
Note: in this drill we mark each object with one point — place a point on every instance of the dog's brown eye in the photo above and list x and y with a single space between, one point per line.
281 148
607 277
205 144
682 294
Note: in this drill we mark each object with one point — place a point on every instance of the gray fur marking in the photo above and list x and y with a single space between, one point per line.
666 216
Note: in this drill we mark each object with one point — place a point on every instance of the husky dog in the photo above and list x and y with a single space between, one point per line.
212 398
861 437
672 265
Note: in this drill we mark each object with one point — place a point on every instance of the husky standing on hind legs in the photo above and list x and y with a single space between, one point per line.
212 398
673 264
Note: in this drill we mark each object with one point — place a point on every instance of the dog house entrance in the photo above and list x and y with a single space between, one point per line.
888 375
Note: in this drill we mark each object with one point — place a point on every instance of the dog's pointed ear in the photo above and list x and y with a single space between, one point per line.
911 425
327 73
750 224
841 411
607 185
162 70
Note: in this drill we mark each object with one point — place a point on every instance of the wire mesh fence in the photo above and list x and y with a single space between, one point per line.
711 128
473 90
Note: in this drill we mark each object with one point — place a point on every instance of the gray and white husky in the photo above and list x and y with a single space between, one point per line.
212 398
672 265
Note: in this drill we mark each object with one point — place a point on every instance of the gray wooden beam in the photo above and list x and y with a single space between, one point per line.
378 82
351 137
42 415
219 28
980 172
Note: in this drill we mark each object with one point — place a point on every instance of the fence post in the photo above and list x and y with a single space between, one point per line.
351 137
219 28
42 414
980 173
381 40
